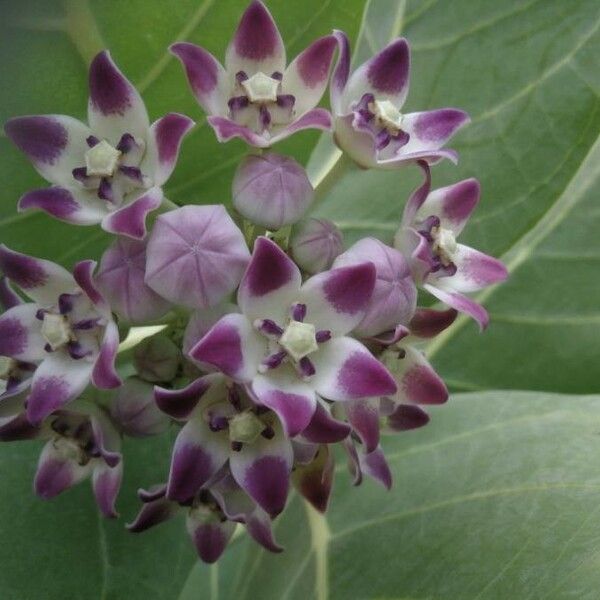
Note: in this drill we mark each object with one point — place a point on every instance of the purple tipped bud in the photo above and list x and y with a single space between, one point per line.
121 280
133 409
157 359
315 244
271 190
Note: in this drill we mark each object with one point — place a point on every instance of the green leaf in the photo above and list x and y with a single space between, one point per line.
495 499
526 71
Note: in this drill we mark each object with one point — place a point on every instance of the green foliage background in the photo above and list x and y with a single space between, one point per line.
499 496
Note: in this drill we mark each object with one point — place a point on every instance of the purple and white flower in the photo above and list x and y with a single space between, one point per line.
109 172
368 123
255 97
67 330
290 345
81 442
427 237
223 426
211 516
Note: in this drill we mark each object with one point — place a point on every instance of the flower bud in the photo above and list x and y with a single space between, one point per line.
271 190
315 244
134 409
121 280
196 256
156 359
394 298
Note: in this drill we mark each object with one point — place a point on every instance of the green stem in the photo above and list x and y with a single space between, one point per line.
82 29
340 168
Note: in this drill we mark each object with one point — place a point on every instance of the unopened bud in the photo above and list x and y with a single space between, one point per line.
315 244
156 359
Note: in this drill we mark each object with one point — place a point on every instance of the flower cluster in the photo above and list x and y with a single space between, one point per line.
276 342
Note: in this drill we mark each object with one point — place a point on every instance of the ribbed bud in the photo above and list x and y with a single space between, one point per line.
157 359
315 244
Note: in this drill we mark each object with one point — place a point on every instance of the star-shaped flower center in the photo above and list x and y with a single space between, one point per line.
387 114
101 160
444 244
299 339
56 330
7 367
261 88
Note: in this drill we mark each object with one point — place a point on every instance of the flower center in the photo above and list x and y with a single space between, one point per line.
74 439
56 330
387 115
261 88
101 160
245 427
444 244
7 367
299 339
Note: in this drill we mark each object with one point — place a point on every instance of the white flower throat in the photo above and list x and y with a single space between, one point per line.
56 330
444 244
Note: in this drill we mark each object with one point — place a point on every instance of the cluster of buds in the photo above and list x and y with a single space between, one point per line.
277 342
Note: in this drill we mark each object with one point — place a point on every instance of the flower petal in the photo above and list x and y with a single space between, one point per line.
375 465
407 417
121 281
324 429
20 334
106 482
315 480
80 207
427 323
196 255
453 204
475 270
115 106
337 300
418 197
83 273
363 415
417 382
153 513
207 78
164 141
130 220
58 380
18 428
226 129
341 72
104 375
55 474
262 469
270 284
197 455
8 297
461 303
428 132
55 144
210 539
317 118
179 404
385 75
307 75
293 400
346 370
43 281
233 346
256 44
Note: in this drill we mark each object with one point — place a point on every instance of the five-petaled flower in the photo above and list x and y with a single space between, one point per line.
427 236
255 97
368 124
67 330
110 172
290 346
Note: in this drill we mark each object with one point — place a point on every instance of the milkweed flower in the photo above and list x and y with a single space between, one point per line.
67 330
110 171
255 97
427 236
290 346
368 123
81 443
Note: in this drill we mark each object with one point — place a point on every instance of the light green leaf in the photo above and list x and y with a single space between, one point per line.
526 71
497 498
